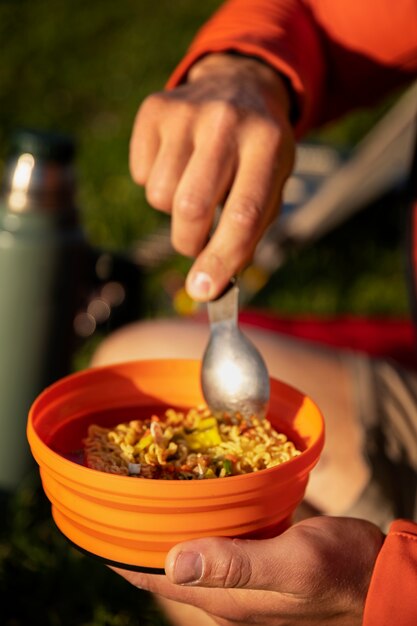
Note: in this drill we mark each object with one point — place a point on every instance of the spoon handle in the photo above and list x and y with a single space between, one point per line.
225 307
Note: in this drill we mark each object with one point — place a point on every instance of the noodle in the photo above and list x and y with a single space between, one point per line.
187 446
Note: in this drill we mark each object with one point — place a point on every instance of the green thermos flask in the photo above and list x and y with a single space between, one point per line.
42 251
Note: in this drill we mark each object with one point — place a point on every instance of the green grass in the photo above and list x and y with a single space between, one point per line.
83 68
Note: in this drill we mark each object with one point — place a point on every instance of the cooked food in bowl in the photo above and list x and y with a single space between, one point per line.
187 445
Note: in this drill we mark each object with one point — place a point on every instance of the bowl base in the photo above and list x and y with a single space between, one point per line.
109 562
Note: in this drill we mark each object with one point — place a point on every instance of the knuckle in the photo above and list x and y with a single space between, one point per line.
223 115
246 212
165 111
236 571
151 105
271 136
175 113
158 198
184 108
191 207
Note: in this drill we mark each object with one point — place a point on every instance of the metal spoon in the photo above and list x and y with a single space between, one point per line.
234 377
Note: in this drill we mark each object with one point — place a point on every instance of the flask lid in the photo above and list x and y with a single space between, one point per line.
39 172
44 145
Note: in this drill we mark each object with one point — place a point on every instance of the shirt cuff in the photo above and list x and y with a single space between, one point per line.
392 591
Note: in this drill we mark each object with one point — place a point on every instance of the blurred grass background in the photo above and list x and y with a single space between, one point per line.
83 68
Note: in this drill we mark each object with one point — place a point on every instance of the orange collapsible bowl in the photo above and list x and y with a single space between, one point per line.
133 522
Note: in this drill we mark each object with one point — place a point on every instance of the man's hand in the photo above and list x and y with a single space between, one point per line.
316 573
222 138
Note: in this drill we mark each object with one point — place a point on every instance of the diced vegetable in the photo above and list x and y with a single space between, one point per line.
202 439
144 442
206 423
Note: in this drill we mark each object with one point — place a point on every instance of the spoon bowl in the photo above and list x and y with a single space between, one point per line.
234 377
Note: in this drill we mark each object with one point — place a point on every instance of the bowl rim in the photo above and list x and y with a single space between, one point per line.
307 459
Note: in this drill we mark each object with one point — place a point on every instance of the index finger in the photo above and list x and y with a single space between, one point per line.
264 164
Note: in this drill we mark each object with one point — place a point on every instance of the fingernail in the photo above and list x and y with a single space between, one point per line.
188 568
199 285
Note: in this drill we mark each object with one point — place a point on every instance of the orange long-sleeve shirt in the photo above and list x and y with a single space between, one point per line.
337 54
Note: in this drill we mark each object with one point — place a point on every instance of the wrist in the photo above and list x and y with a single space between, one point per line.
236 65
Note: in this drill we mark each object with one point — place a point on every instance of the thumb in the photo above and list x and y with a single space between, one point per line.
225 563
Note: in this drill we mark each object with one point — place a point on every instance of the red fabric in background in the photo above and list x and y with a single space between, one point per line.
380 337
